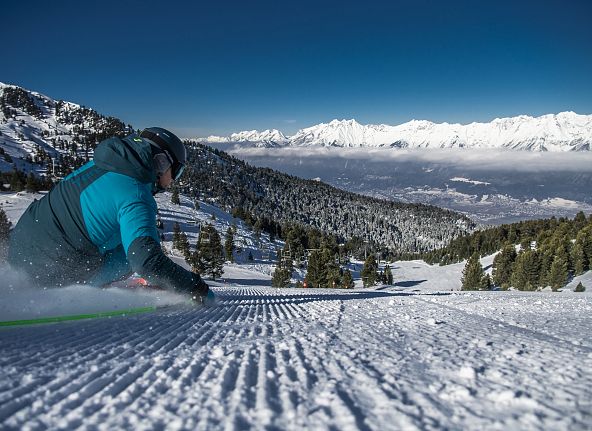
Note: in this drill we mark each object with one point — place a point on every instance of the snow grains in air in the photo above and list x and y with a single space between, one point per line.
310 359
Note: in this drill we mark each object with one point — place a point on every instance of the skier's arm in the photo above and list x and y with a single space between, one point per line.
139 237
147 259
116 267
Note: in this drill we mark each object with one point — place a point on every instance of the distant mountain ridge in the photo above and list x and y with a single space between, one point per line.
565 131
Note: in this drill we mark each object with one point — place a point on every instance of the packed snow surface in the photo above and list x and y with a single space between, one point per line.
310 359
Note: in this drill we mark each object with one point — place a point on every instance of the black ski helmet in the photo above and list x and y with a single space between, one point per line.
170 144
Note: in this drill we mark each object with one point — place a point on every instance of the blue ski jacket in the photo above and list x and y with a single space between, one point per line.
99 224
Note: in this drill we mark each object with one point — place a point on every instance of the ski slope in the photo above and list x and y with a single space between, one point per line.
315 359
417 355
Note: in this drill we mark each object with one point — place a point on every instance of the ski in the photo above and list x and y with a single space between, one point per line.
56 319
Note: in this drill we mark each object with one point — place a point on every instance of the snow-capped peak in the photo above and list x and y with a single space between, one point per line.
565 131
269 136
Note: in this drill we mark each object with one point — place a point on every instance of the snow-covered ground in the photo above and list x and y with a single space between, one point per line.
310 359
417 355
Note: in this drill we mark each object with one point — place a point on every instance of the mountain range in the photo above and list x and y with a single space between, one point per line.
565 131
52 137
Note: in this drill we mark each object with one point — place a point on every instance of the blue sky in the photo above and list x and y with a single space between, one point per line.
216 67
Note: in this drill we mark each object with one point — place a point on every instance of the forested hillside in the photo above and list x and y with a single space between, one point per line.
46 136
532 254
232 183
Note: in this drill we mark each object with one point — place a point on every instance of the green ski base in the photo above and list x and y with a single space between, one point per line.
77 317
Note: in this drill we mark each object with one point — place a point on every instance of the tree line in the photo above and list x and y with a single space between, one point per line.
534 255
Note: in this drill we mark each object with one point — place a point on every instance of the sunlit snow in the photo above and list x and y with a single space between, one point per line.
416 355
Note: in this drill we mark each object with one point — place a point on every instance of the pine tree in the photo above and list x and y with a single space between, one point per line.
579 258
175 197
558 274
586 235
579 221
176 234
525 244
370 271
583 245
315 270
512 235
183 245
4 227
546 256
474 277
257 229
229 244
197 263
333 275
347 282
525 275
210 251
16 182
502 266
32 185
487 282
388 275
283 273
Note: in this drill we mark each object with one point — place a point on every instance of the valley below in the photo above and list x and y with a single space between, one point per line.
490 186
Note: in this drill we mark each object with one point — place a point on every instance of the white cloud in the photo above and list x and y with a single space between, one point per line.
474 159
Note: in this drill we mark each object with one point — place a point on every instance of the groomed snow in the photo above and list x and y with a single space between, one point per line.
310 359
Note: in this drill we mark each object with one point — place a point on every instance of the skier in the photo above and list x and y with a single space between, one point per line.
98 225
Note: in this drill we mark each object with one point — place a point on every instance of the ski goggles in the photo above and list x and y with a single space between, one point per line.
177 167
